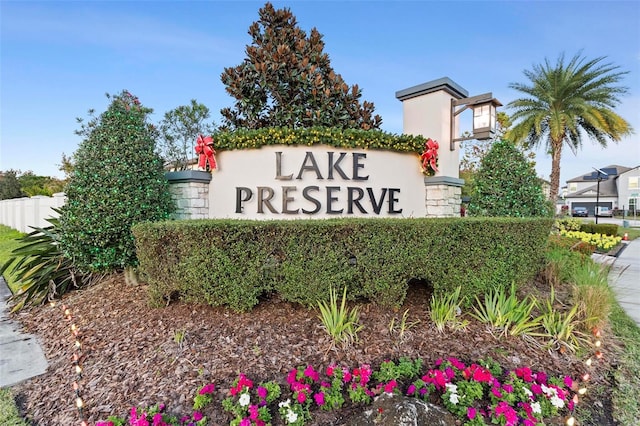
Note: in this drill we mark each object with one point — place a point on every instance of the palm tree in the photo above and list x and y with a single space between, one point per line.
566 102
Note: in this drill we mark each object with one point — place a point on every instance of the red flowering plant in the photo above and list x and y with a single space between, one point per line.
429 157
155 416
476 395
249 404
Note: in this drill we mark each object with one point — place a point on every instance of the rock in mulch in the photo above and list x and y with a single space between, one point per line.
395 410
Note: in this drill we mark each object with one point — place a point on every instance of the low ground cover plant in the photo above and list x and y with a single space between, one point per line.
477 394
602 242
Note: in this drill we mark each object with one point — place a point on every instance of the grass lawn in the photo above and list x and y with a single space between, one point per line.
8 242
8 411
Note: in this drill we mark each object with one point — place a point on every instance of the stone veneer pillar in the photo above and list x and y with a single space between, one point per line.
190 191
443 196
427 112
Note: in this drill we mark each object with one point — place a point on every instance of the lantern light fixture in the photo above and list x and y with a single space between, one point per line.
484 116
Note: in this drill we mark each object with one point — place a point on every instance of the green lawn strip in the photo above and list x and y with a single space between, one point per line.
632 233
8 242
626 395
8 410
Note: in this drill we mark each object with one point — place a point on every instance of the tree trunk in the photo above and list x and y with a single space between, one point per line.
556 153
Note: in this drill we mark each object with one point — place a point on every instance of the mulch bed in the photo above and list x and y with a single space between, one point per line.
132 354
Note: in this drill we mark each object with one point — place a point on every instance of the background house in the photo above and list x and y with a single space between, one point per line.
618 190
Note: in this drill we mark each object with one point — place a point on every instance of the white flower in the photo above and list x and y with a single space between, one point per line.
527 391
291 416
454 398
557 402
451 387
535 407
245 399
284 403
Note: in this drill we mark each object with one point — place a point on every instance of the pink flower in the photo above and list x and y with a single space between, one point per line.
524 373
389 387
330 370
449 373
197 416
541 378
471 413
311 373
456 363
245 422
508 388
319 397
411 389
207 389
346 377
301 397
262 392
568 382
253 412
496 392
260 422
536 389
291 377
157 420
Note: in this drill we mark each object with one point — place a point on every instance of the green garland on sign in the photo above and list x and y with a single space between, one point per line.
339 138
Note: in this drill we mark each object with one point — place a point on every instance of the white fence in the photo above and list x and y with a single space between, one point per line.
23 213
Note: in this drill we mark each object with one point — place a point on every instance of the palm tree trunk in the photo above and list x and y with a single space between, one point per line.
556 153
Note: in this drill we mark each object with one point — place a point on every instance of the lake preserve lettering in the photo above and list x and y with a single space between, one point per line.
311 199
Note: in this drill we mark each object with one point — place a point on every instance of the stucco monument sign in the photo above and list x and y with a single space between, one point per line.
322 181
290 182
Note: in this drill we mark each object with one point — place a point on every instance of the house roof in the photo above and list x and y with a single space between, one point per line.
607 189
612 171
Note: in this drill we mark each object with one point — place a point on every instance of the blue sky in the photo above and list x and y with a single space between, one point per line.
58 59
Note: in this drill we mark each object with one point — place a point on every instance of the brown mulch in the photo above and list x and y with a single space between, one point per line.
132 354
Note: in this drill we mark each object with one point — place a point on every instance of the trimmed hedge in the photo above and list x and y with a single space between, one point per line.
235 262
600 228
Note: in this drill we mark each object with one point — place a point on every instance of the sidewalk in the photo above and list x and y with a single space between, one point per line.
624 278
21 356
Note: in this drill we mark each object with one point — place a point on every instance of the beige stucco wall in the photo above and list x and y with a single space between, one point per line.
387 173
429 116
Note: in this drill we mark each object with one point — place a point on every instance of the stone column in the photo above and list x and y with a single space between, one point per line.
443 196
427 112
190 191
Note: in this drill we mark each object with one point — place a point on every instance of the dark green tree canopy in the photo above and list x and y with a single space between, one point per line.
506 185
179 130
117 181
286 80
10 186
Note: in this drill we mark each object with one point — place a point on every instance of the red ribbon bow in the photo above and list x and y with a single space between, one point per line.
205 151
430 155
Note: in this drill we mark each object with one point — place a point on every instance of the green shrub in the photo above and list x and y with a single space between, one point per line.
118 180
599 228
40 268
567 224
234 262
506 185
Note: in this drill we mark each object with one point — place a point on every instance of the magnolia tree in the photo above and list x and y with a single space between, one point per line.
287 80
117 181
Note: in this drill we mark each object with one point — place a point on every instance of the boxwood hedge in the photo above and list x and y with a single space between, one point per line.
236 262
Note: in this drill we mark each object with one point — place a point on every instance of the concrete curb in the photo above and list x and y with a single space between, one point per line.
21 355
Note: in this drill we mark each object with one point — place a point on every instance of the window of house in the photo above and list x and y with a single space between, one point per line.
633 182
573 187
633 206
